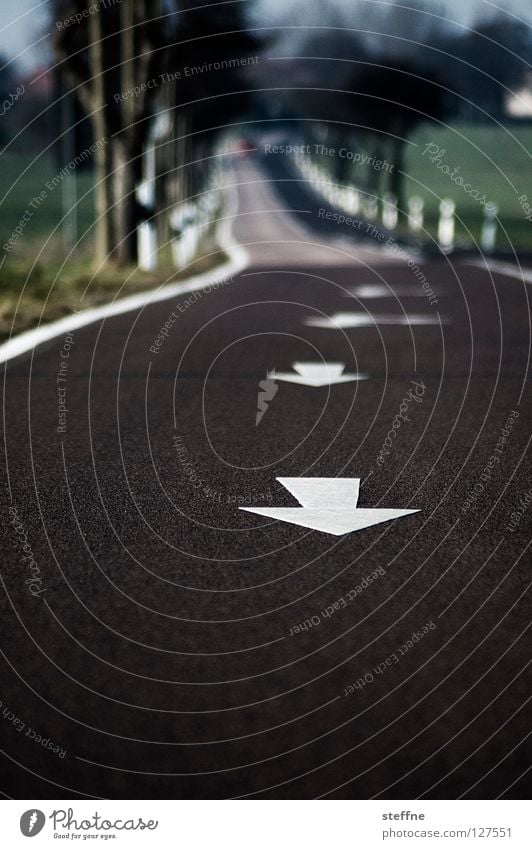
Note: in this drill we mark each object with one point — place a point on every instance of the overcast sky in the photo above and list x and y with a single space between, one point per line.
23 22
462 11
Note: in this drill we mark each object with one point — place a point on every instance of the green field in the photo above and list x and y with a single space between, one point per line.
495 161
23 179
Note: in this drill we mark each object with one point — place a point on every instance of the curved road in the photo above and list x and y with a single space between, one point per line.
161 643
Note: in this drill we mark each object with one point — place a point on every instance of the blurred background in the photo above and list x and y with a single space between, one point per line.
119 118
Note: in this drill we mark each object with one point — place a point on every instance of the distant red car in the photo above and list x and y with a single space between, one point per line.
244 147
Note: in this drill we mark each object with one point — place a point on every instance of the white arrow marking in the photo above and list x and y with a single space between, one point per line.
379 290
316 374
328 505
504 268
361 319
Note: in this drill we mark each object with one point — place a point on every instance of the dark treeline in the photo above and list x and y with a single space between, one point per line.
370 89
177 74
152 70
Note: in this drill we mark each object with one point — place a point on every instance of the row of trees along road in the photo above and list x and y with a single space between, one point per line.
370 86
124 46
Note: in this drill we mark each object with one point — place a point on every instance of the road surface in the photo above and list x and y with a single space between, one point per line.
160 642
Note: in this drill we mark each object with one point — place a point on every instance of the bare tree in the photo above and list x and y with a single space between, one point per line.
110 58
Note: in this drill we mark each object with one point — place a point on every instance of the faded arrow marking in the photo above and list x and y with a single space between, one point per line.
378 290
316 374
361 319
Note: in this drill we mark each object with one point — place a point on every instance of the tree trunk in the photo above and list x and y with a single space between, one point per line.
374 176
125 205
125 165
396 177
102 157
127 67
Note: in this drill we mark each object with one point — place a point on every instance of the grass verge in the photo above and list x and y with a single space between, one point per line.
45 292
36 284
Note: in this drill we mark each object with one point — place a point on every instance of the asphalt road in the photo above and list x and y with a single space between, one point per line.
152 630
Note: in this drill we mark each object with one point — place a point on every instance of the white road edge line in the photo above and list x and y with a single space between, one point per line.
238 261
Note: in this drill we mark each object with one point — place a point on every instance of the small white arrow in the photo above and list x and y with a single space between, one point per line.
328 505
379 290
361 319
316 374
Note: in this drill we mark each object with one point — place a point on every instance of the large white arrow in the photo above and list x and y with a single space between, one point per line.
316 374
328 505
361 319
